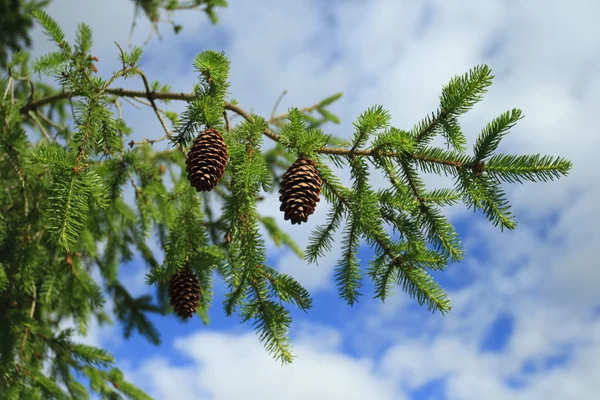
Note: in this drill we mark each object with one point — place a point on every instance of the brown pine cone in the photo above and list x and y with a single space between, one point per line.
184 291
206 161
300 189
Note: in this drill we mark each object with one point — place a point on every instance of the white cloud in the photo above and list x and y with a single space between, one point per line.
228 366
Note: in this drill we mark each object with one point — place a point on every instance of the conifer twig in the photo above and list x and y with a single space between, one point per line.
149 96
148 141
147 103
275 119
227 124
277 104
48 120
39 125
30 83
119 110
130 101
8 85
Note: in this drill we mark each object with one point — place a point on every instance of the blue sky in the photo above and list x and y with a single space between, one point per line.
525 322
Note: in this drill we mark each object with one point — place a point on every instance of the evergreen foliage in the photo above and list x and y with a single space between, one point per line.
64 219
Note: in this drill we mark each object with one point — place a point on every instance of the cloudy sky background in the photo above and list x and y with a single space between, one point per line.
526 317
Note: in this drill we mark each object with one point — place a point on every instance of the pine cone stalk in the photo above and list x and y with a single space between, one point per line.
300 189
206 160
184 291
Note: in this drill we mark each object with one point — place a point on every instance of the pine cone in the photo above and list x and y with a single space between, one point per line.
184 291
300 189
206 161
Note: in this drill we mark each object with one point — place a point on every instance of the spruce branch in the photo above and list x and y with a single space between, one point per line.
423 158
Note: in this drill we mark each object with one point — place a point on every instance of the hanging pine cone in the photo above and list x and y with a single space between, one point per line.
206 161
184 291
300 189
